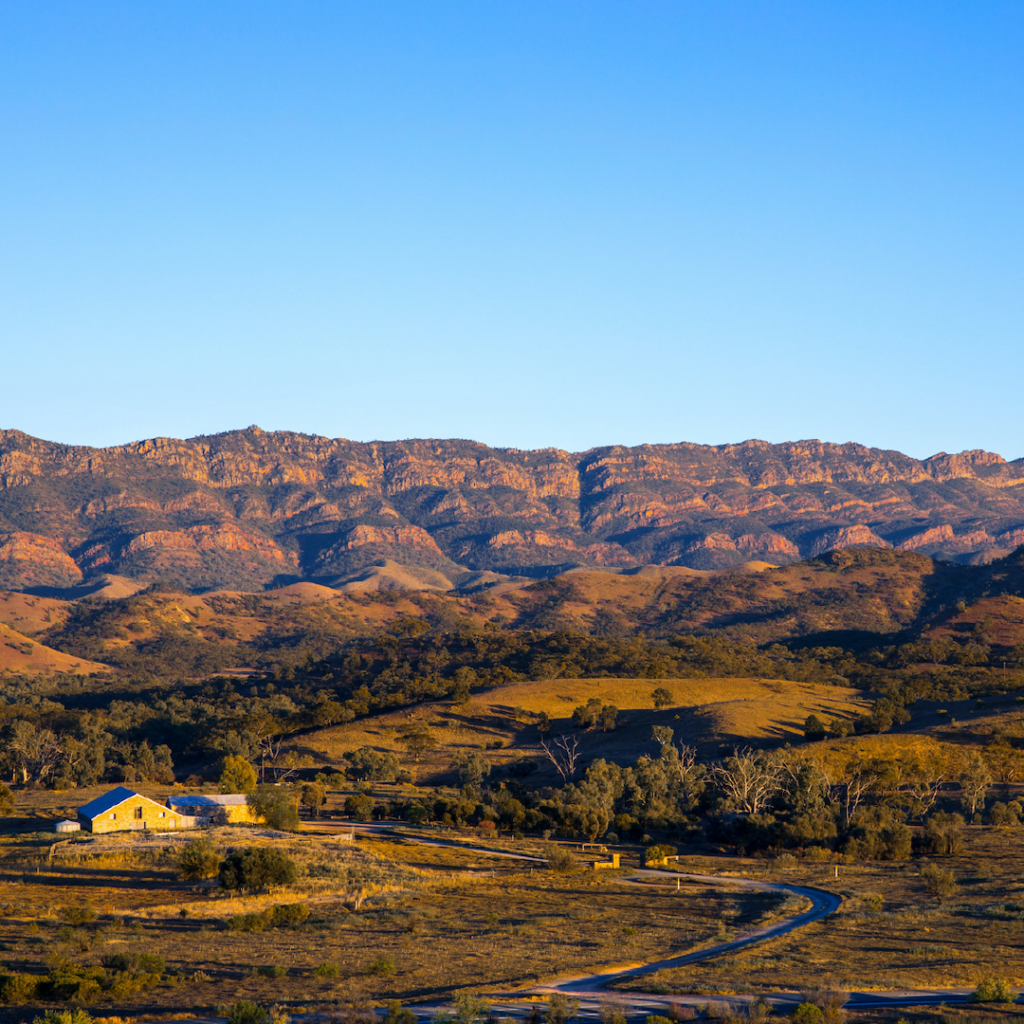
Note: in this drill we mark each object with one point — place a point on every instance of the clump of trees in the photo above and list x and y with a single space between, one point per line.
256 867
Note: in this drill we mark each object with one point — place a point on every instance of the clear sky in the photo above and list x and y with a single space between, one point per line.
527 223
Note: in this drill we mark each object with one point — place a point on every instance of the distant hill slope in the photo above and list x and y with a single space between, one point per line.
246 509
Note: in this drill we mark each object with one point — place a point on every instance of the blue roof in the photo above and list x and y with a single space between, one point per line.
107 802
214 800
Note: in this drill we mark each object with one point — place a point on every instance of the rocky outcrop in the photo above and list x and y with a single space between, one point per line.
247 508
30 560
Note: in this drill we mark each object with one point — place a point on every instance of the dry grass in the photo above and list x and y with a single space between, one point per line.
890 932
20 653
714 714
464 919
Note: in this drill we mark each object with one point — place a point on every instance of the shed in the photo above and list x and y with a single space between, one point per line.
214 809
123 809
67 825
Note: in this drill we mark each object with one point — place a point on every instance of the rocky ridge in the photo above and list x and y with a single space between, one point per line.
247 508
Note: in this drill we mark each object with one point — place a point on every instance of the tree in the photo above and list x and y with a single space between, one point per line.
313 796
237 775
942 831
359 806
814 728
35 752
274 806
609 715
372 765
417 739
470 767
662 698
974 779
590 806
749 779
662 735
256 867
586 716
198 860
543 723
564 756
6 801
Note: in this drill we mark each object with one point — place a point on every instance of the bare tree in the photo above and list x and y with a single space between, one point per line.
750 779
565 755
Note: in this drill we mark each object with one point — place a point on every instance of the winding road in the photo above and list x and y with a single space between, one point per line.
590 990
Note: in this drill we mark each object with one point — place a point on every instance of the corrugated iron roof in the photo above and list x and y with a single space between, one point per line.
211 800
107 802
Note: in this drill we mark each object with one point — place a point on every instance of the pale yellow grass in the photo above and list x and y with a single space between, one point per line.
708 712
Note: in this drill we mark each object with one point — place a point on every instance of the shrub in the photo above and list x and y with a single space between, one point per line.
256 922
79 915
326 971
288 915
285 915
198 860
382 967
993 990
271 971
16 989
561 860
256 867
807 1013
64 1017
939 881
244 1012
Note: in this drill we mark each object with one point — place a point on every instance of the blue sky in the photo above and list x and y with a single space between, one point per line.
530 224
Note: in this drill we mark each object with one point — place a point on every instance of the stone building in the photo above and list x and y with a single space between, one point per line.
218 809
123 809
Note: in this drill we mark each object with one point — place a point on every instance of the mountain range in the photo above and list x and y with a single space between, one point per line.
248 509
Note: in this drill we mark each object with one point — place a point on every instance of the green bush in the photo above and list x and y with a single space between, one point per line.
244 1012
288 915
993 990
256 922
79 915
807 1013
64 1017
561 860
326 971
271 971
16 989
382 967
199 860
256 867
285 915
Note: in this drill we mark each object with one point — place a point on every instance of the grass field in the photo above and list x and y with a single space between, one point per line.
713 714
455 920
890 931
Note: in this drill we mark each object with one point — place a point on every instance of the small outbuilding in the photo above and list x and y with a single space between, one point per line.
123 809
67 825
215 809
